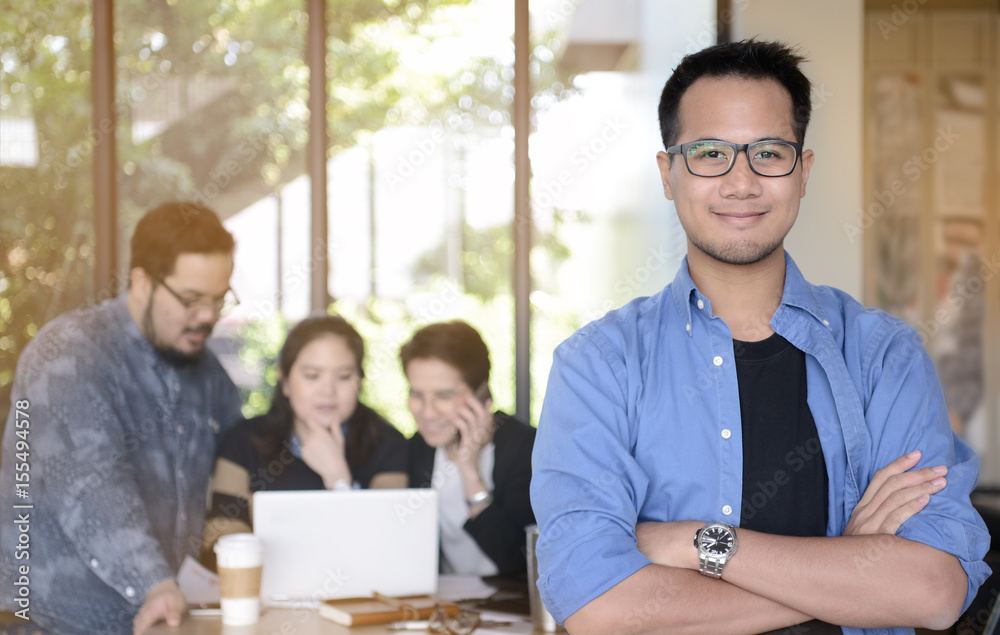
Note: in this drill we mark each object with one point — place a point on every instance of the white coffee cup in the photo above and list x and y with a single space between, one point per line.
239 558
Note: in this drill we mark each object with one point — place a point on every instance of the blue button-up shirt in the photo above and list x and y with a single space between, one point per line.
641 422
119 449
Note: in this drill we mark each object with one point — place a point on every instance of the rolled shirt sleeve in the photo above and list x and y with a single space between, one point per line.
906 411
587 487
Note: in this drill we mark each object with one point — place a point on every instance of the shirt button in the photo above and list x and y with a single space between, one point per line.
180 429
184 516
180 473
93 563
687 327
717 360
826 322
701 304
129 591
726 434
727 510
177 387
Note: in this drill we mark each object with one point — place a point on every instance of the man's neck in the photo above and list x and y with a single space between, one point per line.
136 309
744 296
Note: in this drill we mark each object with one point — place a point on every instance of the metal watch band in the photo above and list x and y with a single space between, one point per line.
711 566
479 497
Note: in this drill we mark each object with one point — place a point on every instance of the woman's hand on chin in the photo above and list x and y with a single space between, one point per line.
323 450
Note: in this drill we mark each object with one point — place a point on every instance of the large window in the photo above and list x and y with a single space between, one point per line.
213 107
212 103
47 141
420 183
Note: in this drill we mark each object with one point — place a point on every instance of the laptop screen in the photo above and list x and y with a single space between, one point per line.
323 544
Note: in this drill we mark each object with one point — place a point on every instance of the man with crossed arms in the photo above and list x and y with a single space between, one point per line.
745 452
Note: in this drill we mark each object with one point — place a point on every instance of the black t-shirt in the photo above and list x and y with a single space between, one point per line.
785 484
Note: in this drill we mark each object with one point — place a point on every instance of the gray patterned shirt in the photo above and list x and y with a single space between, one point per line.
120 448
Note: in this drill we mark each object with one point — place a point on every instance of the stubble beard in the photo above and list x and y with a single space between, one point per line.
167 353
740 252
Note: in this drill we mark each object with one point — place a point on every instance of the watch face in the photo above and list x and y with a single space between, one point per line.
716 540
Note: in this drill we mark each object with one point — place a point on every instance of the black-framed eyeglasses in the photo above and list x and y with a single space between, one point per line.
222 305
710 158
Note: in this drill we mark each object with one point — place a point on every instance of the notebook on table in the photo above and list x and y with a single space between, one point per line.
321 545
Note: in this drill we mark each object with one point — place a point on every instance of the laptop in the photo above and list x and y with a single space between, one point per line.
321 545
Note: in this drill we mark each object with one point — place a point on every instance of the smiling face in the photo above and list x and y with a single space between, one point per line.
323 383
740 218
436 391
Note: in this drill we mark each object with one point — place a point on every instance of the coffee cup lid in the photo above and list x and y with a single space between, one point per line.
244 541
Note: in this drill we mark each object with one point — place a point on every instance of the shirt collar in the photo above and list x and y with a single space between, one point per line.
797 293
681 289
800 294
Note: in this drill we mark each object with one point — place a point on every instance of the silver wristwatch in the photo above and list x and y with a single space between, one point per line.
716 543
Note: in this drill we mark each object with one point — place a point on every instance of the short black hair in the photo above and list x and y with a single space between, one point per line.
746 59
173 229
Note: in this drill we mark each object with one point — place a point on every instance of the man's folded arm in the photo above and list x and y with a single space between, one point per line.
657 599
779 581
585 491
775 581
862 581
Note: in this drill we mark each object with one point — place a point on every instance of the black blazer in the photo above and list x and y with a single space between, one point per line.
498 529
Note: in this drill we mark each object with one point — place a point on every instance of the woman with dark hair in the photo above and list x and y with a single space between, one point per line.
316 435
478 461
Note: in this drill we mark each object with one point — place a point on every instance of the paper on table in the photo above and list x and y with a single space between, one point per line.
463 587
198 584
496 616
514 628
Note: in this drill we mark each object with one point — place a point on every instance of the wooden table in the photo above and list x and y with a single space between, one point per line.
307 622
507 604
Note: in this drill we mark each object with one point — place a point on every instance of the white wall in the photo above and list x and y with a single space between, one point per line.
830 35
